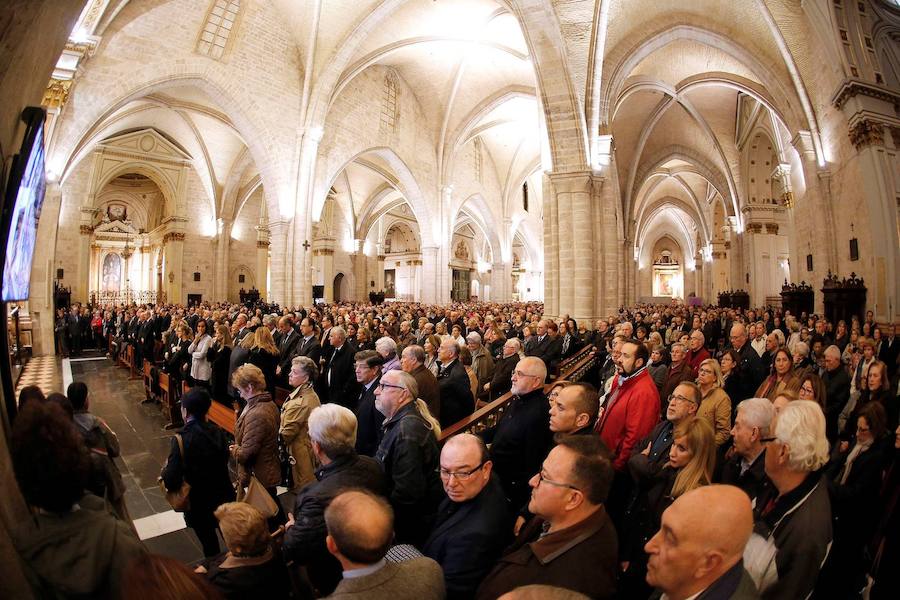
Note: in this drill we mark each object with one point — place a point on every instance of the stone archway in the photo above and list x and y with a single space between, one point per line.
338 287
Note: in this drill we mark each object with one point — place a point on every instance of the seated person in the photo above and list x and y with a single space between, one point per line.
332 434
698 550
360 532
473 524
250 568
72 546
570 542
574 409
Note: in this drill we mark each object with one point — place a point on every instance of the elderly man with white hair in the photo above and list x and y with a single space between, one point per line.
792 535
482 361
747 468
837 390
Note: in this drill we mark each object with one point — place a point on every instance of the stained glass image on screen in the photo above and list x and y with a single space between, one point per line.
23 223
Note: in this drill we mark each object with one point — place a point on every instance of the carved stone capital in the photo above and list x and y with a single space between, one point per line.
866 133
173 236
772 228
854 87
86 230
754 227
262 244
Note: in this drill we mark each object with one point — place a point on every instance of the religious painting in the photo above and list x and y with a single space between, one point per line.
390 278
112 273
664 284
117 212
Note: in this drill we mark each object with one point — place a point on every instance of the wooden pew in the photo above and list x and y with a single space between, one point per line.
281 395
223 416
169 401
148 381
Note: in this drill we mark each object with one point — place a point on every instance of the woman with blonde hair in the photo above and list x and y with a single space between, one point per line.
255 447
201 369
264 354
692 458
431 345
716 405
783 399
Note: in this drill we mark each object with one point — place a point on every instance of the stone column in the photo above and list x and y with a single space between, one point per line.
174 260
570 265
281 268
43 272
328 272
360 277
500 282
223 242
430 268
379 275
81 287
262 259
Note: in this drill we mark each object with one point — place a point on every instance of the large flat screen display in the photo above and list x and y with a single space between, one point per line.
27 184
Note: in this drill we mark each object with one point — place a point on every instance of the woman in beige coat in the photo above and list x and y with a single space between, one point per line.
295 419
716 405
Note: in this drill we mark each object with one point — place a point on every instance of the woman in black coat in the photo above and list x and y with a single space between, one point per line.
177 358
730 363
204 465
854 477
264 355
220 356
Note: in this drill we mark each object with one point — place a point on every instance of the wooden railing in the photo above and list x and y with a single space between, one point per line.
488 415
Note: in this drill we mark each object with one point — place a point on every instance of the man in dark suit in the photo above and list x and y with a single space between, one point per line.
456 392
148 338
501 381
309 344
412 360
338 377
243 328
287 349
890 348
474 523
163 322
752 370
74 326
540 343
837 390
325 338
367 366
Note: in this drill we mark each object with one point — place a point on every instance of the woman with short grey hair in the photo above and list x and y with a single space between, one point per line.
294 420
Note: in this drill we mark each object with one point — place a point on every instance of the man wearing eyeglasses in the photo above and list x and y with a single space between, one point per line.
651 453
698 352
570 543
520 439
474 523
367 367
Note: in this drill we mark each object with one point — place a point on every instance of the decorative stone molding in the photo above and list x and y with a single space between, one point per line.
855 87
323 252
173 236
754 227
145 249
262 244
57 93
716 255
772 228
728 245
866 133
381 257
787 199
86 230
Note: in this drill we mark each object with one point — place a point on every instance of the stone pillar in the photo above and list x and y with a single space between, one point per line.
281 268
360 277
223 242
379 275
501 280
430 268
174 260
327 255
815 212
81 287
43 272
879 164
94 270
262 260
572 232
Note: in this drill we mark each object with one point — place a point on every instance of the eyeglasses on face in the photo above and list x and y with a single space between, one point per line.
543 479
518 373
766 440
460 475
390 385
674 398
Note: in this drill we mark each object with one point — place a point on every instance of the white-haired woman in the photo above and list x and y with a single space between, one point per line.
294 420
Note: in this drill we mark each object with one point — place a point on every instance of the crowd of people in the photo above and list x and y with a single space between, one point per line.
708 453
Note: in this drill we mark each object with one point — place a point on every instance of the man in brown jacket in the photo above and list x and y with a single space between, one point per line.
412 360
570 542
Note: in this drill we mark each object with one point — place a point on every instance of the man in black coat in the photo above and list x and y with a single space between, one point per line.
456 391
147 340
474 523
309 343
74 326
332 429
520 440
752 369
539 344
501 381
368 375
287 349
204 465
338 378
837 390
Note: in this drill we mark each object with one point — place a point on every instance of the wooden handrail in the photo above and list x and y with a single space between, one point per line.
487 415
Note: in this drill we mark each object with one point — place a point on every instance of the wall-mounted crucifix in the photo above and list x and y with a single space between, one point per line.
306 244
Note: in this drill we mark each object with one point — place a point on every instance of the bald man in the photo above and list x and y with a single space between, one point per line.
752 369
521 438
360 532
698 550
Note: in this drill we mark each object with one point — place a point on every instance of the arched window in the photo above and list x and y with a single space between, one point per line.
220 22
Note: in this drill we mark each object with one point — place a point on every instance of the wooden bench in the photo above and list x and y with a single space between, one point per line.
148 381
281 394
168 400
223 416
